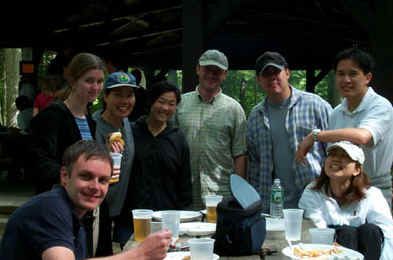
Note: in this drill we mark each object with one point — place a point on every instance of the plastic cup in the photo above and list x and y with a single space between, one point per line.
171 221
155 227
201 248
293 219
142 223
211 202
116 157
322 235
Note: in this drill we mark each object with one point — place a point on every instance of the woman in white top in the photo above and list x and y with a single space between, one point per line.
342 198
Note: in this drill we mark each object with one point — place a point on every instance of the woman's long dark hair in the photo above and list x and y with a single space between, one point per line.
355 192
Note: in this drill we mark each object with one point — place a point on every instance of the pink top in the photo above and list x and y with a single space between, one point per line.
42 101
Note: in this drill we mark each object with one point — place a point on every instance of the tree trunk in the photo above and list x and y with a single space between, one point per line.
2 87
334 95
12 58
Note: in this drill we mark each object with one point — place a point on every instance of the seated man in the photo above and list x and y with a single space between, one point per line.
50 225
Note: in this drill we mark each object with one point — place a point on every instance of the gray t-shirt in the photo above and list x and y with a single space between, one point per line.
283 156
117 191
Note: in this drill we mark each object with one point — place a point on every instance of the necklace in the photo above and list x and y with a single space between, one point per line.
156 131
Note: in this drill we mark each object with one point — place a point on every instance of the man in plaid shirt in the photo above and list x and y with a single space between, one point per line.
215 127
276 126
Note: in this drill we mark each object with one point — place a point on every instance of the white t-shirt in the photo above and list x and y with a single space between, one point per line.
324 211
374 113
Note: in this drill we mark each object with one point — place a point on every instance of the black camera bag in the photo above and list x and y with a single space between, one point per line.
239 231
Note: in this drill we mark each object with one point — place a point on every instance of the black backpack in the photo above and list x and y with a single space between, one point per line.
239 231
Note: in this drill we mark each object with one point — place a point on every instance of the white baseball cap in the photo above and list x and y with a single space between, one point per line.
354 152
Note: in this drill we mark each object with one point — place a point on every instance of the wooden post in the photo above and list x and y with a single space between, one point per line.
193 38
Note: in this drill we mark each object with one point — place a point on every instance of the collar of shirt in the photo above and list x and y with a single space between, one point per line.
293 99
364 104
208 101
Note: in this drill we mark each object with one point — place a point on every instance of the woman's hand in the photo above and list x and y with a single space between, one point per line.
116 147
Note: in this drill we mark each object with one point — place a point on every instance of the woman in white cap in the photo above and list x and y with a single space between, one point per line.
119 102
342 198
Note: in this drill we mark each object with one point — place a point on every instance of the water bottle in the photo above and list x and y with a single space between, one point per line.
276 199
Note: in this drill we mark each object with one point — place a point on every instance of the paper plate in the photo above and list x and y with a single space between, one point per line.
181 255
275 224
198 228
185 216
346 254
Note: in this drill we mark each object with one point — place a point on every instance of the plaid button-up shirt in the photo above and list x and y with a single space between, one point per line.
306 112
215 131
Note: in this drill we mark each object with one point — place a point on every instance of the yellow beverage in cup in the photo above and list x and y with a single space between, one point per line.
141 228
212 214
211 202
142 223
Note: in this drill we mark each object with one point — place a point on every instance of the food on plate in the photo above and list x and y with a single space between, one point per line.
115 137
303 253
187 257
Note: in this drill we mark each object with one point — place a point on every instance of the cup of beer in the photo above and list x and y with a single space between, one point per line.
116 157
142 223
211 202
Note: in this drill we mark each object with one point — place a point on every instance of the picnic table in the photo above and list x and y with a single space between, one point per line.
275 241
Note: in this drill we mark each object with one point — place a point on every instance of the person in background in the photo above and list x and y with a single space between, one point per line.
52 225
363 118
342 198
58 71
214 125
25 114
119 101
49 85
63 123
161 169
27 87
275 127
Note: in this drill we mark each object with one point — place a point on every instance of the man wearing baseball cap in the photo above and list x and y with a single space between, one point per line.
214 125
275 127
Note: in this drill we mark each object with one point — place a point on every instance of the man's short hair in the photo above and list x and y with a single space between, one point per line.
88 149
364 60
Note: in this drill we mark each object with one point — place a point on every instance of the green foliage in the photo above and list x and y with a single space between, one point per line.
232 86
47 57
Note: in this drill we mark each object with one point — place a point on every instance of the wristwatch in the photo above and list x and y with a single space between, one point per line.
315 133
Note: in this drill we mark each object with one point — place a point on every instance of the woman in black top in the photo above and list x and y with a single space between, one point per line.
161 171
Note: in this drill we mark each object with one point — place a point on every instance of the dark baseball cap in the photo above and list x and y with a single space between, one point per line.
268 59
119 79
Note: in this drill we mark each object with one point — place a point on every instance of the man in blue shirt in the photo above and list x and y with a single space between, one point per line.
51 225
275 127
